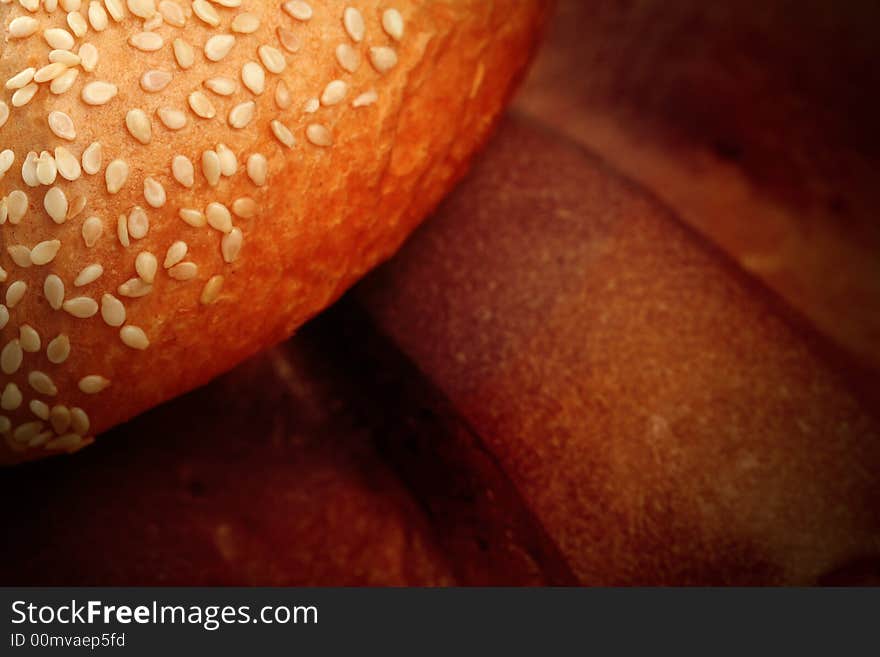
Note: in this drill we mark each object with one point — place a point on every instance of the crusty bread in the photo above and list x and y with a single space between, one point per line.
314 138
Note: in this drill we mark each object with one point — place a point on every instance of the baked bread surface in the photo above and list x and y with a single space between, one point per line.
256 158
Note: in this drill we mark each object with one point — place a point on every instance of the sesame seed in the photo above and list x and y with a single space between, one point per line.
42 383
154 193
77 24
289 40
194 218
53 290
7 159
221 85
46 168
348 58
242 114
172 13
134 337
176 253
212 289
219 217
257 169
206 13
45 252
283 97
11 357
201 106
11 398
383 58
81 307
245 23
14 293
91 158
40 409
62 125
59 38
88 55
122 231
25 432
4 316
91 231
93 384
272 58
211 167
116 175
154 81
59 418
4 113
134 288
63 83
334 93
146 41
24 95
142 8
138 223
230 245
228 160
17 204
183 171
353 21
29 338
245 207
58 349
298 9
392 23
146 266
21 255
79 420
55 203
183 53
319 135
112 310
282 133
68 166
69 441
21 79
66 57
365 99
116 9
171 118
312 105
77 206
139 125
217 47
98 18
254 77
88 275
29 170
22 27
185 271
99 93
49 72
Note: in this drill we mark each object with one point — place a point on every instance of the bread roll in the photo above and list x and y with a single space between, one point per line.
187 184
659 412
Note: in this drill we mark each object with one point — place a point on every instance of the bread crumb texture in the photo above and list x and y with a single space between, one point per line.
184 183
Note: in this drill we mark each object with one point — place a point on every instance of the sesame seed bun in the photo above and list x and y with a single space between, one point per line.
185 184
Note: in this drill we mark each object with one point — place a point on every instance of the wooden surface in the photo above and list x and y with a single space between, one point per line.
557 381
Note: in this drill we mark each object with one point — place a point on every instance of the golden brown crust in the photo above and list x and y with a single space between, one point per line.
326 215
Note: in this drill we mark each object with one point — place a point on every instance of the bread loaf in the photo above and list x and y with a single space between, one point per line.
185 184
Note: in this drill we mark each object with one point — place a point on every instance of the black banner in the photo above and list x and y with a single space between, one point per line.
413 621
